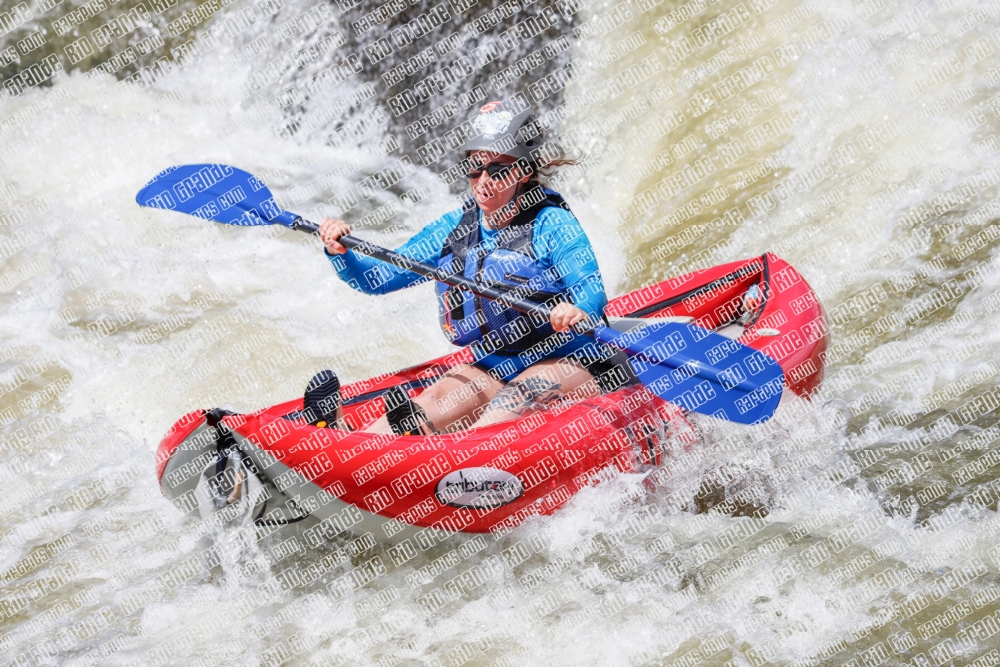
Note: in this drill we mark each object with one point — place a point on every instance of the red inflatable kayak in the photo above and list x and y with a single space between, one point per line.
415 490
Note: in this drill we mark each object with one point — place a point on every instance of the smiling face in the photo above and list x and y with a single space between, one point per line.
492 195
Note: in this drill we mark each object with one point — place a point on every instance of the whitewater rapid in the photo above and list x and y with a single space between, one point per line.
863 151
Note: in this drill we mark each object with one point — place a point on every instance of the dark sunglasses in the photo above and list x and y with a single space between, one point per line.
496 170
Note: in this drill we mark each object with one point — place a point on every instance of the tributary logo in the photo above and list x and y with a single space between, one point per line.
478 488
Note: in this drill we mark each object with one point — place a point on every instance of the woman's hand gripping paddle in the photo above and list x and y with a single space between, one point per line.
689 366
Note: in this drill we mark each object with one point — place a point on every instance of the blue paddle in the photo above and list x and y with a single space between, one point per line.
670 358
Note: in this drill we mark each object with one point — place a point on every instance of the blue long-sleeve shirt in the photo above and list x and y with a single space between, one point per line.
559 242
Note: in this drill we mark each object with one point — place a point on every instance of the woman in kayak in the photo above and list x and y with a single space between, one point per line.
515 235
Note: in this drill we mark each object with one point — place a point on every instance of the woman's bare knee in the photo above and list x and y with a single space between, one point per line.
539 387
457 398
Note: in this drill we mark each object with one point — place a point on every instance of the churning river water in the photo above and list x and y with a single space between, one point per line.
858 141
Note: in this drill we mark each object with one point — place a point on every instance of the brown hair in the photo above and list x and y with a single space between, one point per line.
552 157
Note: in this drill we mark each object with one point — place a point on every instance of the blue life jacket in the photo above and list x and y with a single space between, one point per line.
511 266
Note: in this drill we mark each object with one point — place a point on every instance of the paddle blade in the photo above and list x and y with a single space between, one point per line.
701 371
215 192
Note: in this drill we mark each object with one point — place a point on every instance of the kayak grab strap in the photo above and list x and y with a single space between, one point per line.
754 266
224 440
226 443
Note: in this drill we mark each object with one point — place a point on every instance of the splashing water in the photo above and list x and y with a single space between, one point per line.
855 140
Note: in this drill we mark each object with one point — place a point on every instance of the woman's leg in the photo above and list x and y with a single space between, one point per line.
454 401
544 383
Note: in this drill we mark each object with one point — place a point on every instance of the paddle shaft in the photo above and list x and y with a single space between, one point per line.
435 273
484 291
231 196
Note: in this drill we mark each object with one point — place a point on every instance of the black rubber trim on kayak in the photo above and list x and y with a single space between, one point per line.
406 386
226 442
766 293
742 272
272 522
361 398
651 448
264 479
